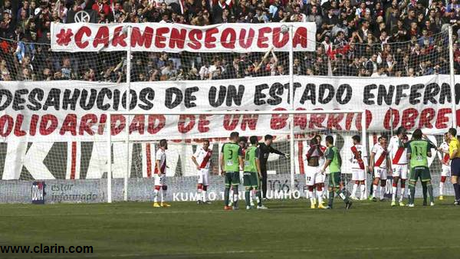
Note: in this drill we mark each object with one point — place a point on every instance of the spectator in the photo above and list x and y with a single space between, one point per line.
356 38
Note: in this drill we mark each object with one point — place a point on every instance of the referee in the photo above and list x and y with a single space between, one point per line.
454 154
265 149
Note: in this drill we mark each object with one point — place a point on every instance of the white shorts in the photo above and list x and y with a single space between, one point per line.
400 171
203 176
313 175
380 173
358 174
160 179
445 170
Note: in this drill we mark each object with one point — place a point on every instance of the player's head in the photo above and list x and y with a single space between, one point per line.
243 142
164 144
452 133
446 137
318 139
383 140
254 140
313 142
356 139
329 140
268 139
401 131
205 144
417 135
234 136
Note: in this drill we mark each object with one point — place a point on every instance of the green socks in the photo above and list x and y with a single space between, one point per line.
227 195
247 197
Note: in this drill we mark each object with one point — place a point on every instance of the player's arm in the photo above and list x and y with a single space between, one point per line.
222 162
276 151
157 164
409 151
452 150
329 157
241 159
258 163
195 162
371 161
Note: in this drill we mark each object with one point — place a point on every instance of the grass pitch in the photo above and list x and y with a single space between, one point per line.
289 229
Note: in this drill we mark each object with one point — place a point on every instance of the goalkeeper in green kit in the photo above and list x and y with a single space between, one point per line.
334 162
252 173
231 161
418 151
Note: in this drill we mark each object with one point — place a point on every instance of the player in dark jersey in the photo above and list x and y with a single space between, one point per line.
265 149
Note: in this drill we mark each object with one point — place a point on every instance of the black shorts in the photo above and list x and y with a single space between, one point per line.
455 167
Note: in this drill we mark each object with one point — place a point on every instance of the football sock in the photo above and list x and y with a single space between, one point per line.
382 191
247 196
155 195
430 191
425 190
259 198
393 195
331 199
441 188
374 190
412 193
312 198
355 188
235 195
227 195
363 191
319 194
343 195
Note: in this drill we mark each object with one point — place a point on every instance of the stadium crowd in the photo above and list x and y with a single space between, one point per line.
354 38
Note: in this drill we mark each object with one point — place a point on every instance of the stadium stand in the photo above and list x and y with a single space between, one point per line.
354 38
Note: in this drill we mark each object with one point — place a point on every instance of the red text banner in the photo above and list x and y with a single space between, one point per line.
77 110
158 37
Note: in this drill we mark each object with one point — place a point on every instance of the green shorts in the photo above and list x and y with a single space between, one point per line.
232 178
251 179
420 172
335 179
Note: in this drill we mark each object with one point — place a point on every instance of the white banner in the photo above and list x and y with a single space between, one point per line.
77 111
158 37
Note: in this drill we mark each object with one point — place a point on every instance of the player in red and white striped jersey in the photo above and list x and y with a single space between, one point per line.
160 175
358 168
202 161
444 156
314 179
397 149
379 164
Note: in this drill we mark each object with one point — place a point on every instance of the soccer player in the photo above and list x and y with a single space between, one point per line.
397 149
252 173
334 162
378 166
418 151
313 177
264 151
358 168
231 160
454 154
202 161
160 176
243 143
444 151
